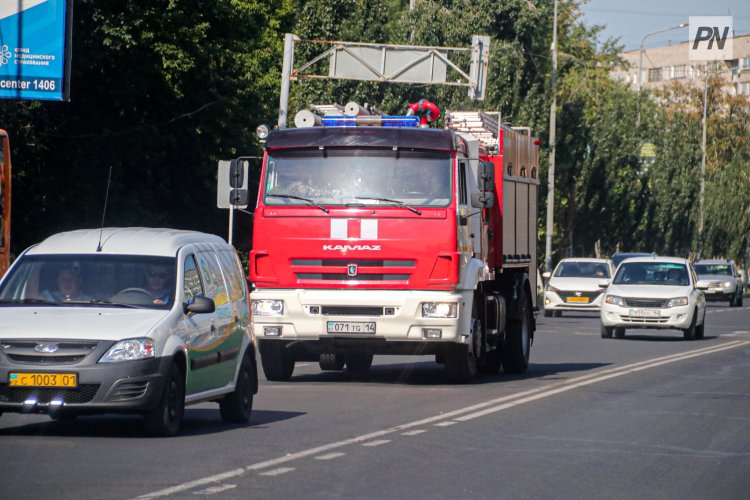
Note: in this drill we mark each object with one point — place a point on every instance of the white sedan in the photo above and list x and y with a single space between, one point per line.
654 292
574 285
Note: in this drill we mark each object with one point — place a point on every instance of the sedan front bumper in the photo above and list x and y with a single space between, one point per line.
678 318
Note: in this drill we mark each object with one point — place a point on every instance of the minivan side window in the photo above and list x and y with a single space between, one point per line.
192 282
234 274
213 282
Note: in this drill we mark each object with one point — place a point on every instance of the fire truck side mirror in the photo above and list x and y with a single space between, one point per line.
482 200
486 179
237 171
239 197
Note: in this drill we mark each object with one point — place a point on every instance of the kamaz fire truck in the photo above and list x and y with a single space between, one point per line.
379 235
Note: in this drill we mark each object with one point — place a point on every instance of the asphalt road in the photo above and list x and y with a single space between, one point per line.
648 416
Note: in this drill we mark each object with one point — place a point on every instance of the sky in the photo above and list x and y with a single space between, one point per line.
631 20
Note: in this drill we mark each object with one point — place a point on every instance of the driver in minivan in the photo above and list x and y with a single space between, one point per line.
156 284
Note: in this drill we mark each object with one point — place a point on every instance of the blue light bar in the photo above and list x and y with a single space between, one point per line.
372 121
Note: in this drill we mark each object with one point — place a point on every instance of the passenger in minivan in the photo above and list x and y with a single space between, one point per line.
157 279
68 287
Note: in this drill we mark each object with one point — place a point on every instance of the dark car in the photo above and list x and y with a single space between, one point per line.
618 257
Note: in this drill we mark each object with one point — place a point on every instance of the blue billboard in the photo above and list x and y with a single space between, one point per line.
35 49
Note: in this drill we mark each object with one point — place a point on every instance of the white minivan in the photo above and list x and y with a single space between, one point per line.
134 320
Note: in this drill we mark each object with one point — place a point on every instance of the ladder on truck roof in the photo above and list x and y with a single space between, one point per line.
479 124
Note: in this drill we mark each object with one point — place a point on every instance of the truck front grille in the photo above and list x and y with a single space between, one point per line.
361 270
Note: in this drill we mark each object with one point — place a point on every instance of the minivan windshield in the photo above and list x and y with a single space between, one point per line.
358 176
90 281
652 273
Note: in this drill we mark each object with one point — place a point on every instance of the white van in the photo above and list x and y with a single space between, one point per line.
127 320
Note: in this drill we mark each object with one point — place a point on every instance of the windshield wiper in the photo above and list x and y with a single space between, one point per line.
29 301
102 302
388 200
308 200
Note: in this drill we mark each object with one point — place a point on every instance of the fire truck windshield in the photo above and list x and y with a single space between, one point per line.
361 176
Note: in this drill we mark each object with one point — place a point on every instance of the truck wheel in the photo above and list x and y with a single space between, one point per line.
166 418
236 406
358 362
619 332
690 332
330 361
518 340
606 332
277 363
460 364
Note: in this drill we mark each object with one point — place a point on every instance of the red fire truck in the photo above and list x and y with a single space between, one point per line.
4 204
377 235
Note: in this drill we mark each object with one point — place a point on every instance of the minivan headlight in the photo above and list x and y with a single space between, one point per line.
550 288
677 301
614 299
268 307
129 350
439 309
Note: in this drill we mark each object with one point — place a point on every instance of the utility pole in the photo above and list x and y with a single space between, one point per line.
552 146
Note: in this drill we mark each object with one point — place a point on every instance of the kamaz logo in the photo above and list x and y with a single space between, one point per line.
346 248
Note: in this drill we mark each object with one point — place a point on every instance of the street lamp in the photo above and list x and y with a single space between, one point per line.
703 154
640 63
552 141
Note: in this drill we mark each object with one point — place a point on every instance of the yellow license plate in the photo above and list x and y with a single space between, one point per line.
43 379
581 300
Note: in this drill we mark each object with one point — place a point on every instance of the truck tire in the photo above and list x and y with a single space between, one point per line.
515 357
237 406
330 361
358 362
166 418
460 364
278 365
606 332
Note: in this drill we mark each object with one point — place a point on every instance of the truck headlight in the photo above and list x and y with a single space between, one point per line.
439 309
614 299
129 350
677 301
268 307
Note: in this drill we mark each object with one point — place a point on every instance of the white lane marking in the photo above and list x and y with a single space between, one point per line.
549 390
446 424
585 333
583 383
414 432
737 333
379 442
215 489
329 456
277 472
193 484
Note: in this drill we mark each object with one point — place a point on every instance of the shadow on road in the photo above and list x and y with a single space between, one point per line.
431 373
197 422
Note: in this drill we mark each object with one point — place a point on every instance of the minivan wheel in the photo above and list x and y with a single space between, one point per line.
606 332
237 406
166 418
619 332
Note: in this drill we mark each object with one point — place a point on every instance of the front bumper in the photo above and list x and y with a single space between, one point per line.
129 386
570 302
719 294
672 318
395 315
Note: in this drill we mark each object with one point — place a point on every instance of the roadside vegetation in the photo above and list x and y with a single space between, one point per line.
162 90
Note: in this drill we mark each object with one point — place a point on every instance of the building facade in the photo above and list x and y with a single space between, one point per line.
660 66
